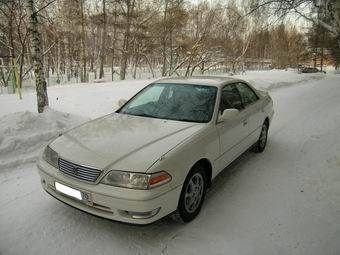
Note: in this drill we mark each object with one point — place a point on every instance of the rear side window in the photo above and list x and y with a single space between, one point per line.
247 94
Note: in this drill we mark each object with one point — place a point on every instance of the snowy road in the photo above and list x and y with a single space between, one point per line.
284 201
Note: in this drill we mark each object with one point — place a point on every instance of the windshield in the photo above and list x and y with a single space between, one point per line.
194 103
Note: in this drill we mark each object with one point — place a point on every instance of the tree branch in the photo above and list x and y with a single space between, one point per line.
6 45
9 47
42 8
49 48
318 21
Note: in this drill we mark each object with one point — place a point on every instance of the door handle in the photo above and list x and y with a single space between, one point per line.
245 122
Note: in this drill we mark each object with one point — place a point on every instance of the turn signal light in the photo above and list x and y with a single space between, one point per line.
159 179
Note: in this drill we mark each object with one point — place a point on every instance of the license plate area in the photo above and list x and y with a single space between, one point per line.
73 193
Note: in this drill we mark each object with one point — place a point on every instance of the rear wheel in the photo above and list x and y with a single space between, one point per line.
192 195
262 142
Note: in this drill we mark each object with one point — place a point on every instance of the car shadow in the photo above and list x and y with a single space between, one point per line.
229 172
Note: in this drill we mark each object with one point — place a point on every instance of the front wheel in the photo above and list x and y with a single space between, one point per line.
262 142
192 195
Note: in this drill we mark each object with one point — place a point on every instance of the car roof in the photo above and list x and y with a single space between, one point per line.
200 80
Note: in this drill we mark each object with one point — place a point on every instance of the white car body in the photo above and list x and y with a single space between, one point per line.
149 145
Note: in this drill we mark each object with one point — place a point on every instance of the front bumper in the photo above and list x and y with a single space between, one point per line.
111 202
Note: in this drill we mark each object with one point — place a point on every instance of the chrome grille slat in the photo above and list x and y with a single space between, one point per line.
80 172
79 169
80 175
79 166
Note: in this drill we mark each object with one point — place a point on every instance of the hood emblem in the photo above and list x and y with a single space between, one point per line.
75 170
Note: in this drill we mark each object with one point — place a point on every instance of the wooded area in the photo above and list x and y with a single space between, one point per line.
82 40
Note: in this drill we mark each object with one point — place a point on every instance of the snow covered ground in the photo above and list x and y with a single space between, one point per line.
283 201
95 99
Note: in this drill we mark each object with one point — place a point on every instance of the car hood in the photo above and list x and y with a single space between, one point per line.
122 142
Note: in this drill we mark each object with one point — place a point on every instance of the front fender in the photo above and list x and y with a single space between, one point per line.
178 161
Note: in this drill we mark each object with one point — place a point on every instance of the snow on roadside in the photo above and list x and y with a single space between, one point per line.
23 134
83 99
273 79
93 100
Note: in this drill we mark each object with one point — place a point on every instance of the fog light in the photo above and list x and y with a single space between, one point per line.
144 215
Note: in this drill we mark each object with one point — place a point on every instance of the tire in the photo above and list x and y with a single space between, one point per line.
260 145
192 195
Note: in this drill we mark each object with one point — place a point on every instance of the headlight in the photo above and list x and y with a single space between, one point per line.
136 180
50 156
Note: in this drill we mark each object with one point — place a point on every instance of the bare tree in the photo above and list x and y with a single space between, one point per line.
164 37
103 46
83 76
37 55
323 12
128 7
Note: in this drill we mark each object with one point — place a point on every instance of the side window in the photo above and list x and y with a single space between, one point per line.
230 98
247 94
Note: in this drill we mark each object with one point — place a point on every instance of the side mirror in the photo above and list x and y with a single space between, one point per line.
228 114
121 102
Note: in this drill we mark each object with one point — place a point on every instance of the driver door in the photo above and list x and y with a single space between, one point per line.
231 132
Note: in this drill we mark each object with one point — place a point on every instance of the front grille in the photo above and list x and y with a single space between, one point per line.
78 171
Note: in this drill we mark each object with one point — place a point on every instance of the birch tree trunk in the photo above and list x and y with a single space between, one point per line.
69 59
83 76
12 51
164 39
103 48
37 56
130 4
114 40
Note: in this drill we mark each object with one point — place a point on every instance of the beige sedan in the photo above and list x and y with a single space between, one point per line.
158 153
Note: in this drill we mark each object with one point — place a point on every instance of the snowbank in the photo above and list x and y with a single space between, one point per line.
92 100
23 134
274 79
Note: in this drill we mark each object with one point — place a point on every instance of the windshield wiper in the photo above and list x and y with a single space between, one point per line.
165 118
190 120
145 115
